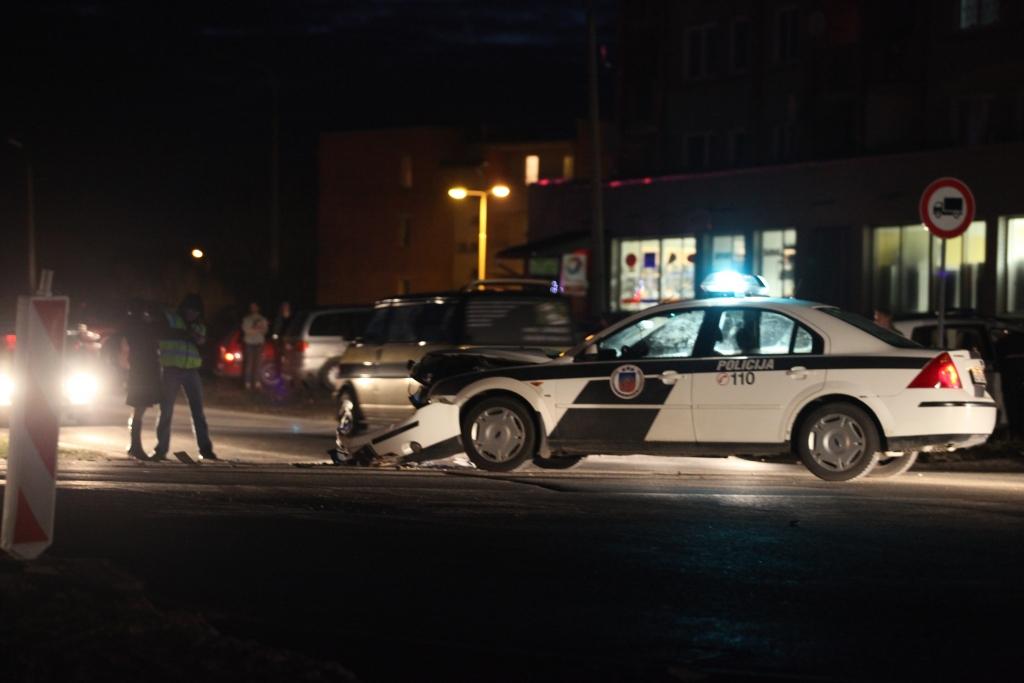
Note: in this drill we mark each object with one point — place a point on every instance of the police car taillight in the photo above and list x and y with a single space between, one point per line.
940 373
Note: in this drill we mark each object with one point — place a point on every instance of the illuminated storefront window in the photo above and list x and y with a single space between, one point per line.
774 256
905 264
1015 265
728 252
648 271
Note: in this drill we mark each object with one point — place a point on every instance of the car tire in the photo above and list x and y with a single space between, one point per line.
498 434
329 378
350 418
270 376
562 463
893 467
838 442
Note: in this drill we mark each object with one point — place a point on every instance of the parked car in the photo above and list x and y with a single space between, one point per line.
314 342
231 362
513 314
85 376
1000 343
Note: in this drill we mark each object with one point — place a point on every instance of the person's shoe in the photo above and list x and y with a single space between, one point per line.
157 457
208 456
137 453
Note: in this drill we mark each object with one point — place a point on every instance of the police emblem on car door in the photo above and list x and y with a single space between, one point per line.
630 387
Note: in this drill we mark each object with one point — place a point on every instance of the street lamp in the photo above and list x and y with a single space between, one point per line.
197 253
499 191
31 211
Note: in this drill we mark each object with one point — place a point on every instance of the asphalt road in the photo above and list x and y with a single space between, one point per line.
622 569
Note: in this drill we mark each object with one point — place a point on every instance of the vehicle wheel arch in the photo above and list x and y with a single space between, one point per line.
819 401
535 416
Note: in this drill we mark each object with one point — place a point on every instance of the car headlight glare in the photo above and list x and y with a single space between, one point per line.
6 390
81 388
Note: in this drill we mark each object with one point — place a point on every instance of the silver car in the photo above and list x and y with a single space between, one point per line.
315 340
375 387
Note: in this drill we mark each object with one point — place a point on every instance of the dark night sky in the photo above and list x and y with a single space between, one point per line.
150 122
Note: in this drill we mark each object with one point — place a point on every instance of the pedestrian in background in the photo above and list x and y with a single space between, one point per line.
281 320
883 318
139 340
254 335
180 360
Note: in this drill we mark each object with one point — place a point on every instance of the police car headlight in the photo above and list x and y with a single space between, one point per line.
81 388
6 389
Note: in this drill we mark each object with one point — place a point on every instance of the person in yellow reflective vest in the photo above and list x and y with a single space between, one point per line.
180 360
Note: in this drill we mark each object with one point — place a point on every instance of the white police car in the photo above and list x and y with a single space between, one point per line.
707 377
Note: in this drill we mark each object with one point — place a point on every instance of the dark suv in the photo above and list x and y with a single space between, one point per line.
375 386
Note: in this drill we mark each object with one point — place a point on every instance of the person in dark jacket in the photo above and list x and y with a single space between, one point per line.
139 350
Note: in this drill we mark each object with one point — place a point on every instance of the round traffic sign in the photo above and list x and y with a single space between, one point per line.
947 208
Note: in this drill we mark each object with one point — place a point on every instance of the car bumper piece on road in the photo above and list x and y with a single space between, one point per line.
431 433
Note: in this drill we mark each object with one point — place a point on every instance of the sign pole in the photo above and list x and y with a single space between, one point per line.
942 296
946 208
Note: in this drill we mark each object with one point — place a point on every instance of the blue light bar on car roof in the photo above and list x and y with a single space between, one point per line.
731 283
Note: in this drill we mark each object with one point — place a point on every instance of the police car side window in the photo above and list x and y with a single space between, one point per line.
666 335
803 342
754 332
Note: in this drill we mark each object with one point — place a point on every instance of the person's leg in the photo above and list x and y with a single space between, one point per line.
252 364
169 392
135 448
194 391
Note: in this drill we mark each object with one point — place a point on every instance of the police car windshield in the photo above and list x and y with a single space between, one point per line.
861 323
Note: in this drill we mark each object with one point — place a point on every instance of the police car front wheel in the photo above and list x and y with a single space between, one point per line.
838 442
499 434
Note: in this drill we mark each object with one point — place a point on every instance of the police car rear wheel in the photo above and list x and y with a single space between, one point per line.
893 467
838 442
498 434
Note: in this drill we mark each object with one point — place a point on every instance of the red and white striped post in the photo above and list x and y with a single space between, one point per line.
31 489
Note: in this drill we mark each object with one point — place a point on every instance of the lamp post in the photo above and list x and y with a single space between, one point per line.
499 191
31 212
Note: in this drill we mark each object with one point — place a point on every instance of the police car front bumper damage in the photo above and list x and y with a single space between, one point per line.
433 432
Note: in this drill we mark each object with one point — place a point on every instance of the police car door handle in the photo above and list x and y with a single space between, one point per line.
798 372
669 377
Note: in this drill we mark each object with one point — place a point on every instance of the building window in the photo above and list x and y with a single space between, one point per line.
404 230
774 257
728 252
740 152
701 51
647 272
975 13
971 120
905 264
698 151
787 35
568 166
405 172
531 171
1015 265
965 257
740 45
784 142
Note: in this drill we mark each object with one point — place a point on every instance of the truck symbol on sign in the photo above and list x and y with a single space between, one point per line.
949 206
